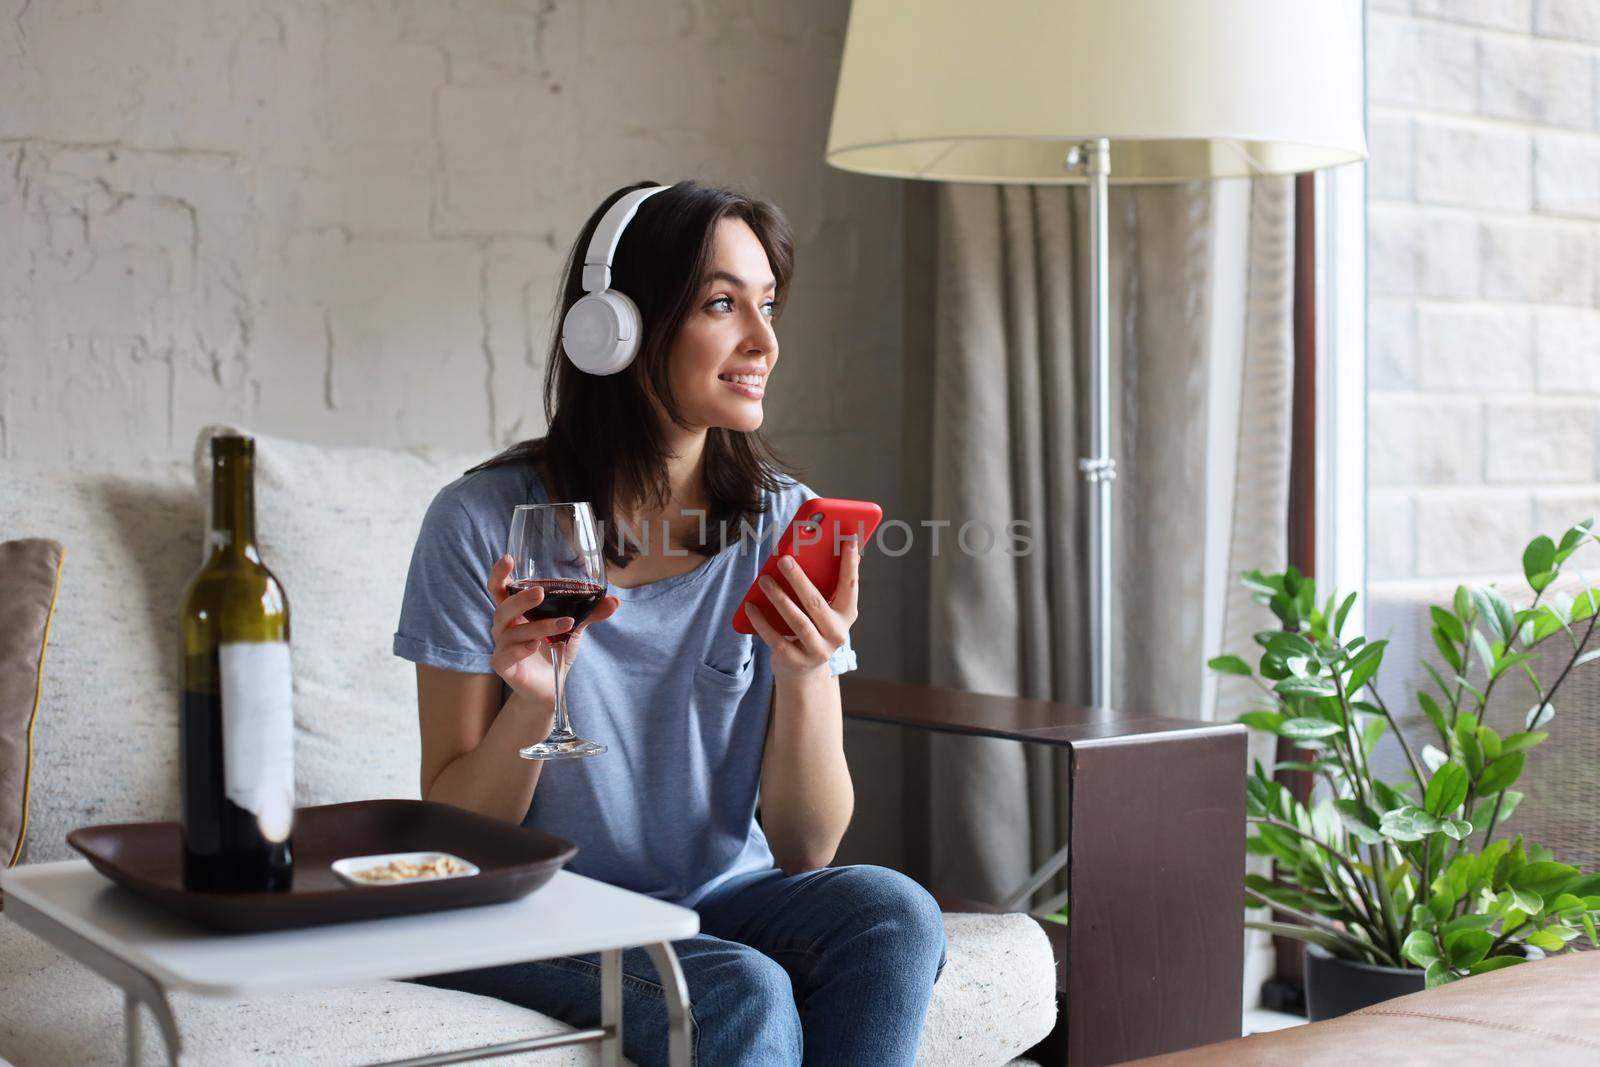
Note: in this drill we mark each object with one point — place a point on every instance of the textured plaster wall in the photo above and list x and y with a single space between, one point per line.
342 221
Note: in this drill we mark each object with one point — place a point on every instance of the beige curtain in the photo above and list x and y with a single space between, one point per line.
1202 367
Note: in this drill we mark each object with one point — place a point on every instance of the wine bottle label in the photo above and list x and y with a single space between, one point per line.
258 732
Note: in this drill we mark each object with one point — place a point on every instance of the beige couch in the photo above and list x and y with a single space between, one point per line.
337 526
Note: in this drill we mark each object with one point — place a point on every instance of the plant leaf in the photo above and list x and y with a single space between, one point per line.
1544 939
1466 947
1448 623
1305 687
1435 715
1365 665
1538 559
1544 877
1501 773
1307 729
1496 612
1448 651
1446 789
1495 963
1537 715
1420 948
1344 612
1486 655
1518 741
1229 665
1270 721
1508 804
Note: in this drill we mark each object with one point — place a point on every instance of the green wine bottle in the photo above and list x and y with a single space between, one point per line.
236 721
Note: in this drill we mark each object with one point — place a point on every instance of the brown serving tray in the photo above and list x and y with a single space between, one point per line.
513 861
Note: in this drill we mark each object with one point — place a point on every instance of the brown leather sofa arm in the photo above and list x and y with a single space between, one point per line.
1535 1013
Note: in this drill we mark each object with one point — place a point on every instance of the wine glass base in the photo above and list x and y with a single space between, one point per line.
567 748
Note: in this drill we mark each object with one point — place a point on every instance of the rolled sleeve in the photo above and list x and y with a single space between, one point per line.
446 613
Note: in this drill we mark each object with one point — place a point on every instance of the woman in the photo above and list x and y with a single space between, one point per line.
796 962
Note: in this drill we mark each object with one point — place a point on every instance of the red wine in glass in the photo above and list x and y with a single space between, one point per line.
562 597
557 548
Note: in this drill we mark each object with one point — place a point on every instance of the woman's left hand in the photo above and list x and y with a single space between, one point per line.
819 627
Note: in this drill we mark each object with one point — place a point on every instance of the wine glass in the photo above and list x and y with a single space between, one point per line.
555 547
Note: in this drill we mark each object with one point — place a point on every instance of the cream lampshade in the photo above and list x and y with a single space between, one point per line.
960 90
1099 91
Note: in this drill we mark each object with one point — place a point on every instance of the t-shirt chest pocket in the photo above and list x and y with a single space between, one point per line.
727 665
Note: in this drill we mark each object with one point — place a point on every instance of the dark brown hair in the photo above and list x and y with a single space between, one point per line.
604 443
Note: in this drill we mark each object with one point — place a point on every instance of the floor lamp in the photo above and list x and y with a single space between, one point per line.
1043 92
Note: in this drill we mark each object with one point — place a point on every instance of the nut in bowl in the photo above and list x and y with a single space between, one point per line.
401 868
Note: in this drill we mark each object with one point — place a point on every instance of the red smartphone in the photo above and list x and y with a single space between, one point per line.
815 538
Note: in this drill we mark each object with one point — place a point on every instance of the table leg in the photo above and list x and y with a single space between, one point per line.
677 997
136 985
611 1007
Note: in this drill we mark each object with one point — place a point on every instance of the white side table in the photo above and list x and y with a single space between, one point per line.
148 952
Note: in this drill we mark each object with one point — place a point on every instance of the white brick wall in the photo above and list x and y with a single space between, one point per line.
343 220
1484 281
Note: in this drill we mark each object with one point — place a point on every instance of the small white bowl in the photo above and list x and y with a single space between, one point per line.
347 868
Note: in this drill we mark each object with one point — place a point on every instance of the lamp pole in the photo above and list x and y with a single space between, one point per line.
1099 468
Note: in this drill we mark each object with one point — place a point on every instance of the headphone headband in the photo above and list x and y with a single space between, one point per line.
603 245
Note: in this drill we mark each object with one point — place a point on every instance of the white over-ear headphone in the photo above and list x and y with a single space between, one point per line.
601 331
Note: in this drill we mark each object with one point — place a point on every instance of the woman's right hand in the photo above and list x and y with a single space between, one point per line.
519 655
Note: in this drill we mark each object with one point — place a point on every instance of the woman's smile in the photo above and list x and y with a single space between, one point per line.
749 384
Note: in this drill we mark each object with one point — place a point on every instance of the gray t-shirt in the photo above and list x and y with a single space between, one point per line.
679 699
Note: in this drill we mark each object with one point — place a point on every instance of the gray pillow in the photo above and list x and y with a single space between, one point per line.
30 572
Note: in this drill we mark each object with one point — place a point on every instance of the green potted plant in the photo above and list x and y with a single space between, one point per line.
1399 885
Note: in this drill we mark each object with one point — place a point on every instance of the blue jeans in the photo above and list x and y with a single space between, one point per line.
833 966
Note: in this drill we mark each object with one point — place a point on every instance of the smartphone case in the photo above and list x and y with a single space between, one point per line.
815 538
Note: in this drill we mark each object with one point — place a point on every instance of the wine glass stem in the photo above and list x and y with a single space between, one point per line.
562 726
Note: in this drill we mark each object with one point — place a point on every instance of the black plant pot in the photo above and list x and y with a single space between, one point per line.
1337 987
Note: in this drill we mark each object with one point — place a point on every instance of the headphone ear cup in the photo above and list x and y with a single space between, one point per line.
601 332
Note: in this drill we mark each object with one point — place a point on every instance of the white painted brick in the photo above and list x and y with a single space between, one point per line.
1414 252
1577 20
1498 14
1567 351
1556 510
1391 343
1400 6
1552 84
1421 64
1538 261
1471 532
1473 165
1566 174
1390 160
1391 535
1540 442
1466 348
1462 533
1422 440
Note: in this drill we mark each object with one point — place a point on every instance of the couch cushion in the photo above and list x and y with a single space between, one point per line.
105 741
337 526
30 569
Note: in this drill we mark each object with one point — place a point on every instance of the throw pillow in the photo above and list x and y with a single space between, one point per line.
30 572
